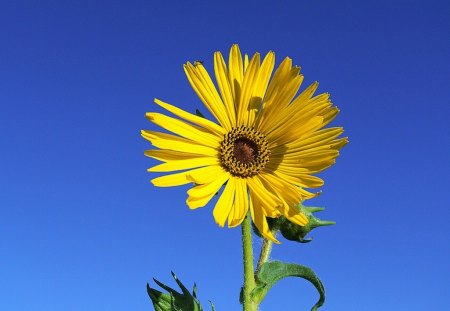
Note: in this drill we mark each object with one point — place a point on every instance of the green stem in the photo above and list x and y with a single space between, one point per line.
249 274
266 248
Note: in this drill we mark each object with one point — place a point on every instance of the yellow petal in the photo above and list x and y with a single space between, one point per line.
293 215
259 219
175 143
205 123
183 178
225 203
177 179
339 143
203 86
289 118
261 84
240 207
184 164
205 176
184 129
235 71
248 84
307 93
289 195
316 139
245 62
170 155
276 85
221 72
199 196
267 199
297 178
285 191
283 134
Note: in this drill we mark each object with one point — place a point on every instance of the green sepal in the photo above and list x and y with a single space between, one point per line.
174 301
294 232
273 271
199 114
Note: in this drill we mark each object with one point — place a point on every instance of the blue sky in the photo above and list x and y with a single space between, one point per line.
82 228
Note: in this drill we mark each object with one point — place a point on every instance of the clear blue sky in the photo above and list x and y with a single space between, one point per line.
82 228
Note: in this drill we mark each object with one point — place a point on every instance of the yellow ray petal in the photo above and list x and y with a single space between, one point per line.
261 84
314 158
201 83
285 191
205 123
175 143
183 178
279 80
268 199
199 196
289 195
306 94
259 219
205 176
315 153
299 179
225 203
303 107
245 62
221 72
293 215
184 164
289 119
268 211
248 85
316 139
339 143
235 71
184 129
330 115
177 179
170 155
282 134
240 207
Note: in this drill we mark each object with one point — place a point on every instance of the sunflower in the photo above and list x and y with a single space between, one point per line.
263 148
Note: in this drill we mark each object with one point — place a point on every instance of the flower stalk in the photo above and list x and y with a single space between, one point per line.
264 255
249 274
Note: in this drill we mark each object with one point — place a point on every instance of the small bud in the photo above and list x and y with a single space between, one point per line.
294 232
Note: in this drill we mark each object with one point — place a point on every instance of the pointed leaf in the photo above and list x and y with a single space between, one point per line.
272 272
173 300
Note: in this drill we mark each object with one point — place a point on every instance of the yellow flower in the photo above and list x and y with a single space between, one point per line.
265 146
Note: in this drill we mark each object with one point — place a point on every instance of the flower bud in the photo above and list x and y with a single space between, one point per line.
294 232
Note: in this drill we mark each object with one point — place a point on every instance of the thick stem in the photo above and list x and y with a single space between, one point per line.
249 274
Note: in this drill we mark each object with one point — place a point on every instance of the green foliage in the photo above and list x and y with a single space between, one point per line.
294 232
174 301
272 272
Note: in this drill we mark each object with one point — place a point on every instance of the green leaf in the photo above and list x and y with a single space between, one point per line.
272 272
173 300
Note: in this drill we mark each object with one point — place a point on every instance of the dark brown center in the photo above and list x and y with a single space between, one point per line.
245 151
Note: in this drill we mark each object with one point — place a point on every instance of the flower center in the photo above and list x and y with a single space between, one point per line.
244 151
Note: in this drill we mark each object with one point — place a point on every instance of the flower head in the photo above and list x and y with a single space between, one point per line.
265 144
